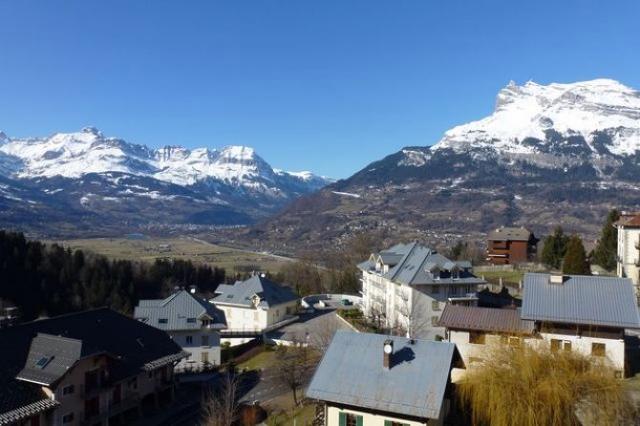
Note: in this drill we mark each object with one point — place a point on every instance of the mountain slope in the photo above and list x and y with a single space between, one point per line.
548 155
80 181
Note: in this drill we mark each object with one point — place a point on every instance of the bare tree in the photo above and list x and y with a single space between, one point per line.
413 319
221 405
294 366
321 334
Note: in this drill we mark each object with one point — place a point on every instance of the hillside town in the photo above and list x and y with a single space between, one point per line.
404 349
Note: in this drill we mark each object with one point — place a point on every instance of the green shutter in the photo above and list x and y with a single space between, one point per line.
359 421
342 419
387 423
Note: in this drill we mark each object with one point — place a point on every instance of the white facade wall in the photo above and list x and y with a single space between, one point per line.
332 414
473 354
246 318
628 254
403 305
202 344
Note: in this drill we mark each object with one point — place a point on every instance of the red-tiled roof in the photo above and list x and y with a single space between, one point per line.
630 219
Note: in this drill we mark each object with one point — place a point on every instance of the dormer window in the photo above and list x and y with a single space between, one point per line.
163 320
435 273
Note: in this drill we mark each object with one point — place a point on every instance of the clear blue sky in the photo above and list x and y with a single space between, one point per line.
327 86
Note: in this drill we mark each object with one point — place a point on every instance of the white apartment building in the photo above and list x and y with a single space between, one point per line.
255 305
406 287
586 314
192 322
629 248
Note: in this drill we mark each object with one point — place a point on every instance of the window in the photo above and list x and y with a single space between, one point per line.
435 305
68 390
435 289
567 346
476 337
349 419
191 320
392 423
434 320
453 290
205 340
189 340
555 345
598 349
67 418
204 357
42 362
163 320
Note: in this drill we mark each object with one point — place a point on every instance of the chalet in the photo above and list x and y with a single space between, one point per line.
628 259
587 314
408 285
191 322
92 367
508 246
373 379
255 305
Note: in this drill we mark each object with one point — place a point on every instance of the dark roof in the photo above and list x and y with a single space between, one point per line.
182 311
351 372
485 319
131 344
49 358
416 264
509 234
241 293
587 300
630 220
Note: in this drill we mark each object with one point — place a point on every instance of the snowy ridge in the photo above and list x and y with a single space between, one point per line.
73 155
530 111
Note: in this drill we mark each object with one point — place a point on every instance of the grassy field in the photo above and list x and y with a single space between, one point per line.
510 277
199 251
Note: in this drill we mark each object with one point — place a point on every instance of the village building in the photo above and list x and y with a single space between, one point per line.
628 259
406 287
92 367
510 246
256 305
586 314
369 379
192 322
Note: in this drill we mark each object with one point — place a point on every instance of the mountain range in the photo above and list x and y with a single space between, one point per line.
84 182
557 154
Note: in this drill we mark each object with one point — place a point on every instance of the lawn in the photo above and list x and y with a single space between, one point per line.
149 249
510 277
260 361
283 413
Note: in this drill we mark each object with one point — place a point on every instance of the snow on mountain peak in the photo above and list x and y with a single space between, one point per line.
573 109
75 154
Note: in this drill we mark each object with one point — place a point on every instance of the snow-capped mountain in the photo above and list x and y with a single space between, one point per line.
87 171
547 155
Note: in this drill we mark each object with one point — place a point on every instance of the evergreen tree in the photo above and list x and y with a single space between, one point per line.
554 248
607 249
575 259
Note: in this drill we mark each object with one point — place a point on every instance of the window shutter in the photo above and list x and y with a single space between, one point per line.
359 421
387 423
342 419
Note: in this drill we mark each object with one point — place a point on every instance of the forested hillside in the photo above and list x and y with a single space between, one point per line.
50 280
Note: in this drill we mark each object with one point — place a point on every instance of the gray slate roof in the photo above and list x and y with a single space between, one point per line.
181 310
242 292
351 373
415 264
49 358
485 319
587 300
509 234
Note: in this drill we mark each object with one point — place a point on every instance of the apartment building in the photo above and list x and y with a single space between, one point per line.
192 322
86 368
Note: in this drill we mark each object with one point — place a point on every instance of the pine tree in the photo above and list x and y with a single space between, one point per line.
607 248
554 249
575 259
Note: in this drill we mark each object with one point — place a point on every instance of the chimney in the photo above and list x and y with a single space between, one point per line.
557 279
387 353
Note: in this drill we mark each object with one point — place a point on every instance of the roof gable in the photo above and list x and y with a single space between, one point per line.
242 293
